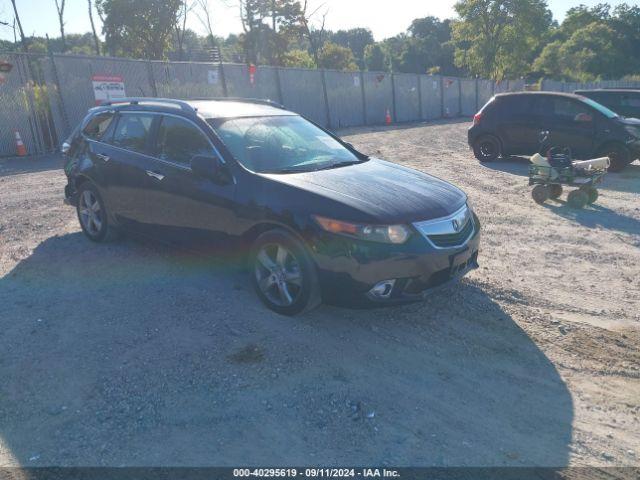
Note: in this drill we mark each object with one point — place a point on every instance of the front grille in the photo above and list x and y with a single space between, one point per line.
453 239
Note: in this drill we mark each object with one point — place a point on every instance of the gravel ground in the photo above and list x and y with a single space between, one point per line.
135 353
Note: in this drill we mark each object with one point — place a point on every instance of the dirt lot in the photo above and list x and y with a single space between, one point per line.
137 354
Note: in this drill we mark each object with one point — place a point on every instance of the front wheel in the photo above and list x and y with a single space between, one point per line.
487 148
577 199
283 274
619 155
540 194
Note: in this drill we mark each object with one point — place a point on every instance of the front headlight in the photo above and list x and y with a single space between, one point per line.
373 233
633 131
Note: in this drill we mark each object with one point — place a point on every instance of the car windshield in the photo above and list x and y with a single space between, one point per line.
281 144
601 108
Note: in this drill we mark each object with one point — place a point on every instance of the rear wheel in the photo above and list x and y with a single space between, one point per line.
487 148
555 190
283 274
592 194
619 155
92 214
540 194
577 198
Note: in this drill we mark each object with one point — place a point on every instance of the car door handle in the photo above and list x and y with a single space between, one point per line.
156 175
103 157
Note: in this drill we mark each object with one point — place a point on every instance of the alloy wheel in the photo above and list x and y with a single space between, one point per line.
278 274
90 213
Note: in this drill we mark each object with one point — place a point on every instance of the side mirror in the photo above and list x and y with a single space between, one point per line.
66 146
210 167
583 117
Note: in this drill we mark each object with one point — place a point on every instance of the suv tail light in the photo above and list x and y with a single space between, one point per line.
476 118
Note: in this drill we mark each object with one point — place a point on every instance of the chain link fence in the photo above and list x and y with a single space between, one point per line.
46 96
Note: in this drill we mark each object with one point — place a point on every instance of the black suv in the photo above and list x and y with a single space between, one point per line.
317 217
623 102
513 124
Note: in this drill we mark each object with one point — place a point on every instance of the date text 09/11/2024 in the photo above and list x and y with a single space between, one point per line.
316 473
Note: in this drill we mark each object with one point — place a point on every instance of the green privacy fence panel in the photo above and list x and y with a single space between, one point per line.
407 95
46 96
431 95
345 99
378 96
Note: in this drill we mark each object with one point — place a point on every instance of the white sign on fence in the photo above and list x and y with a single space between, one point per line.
107 87
212 77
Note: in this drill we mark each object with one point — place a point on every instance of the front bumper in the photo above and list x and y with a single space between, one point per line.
351 268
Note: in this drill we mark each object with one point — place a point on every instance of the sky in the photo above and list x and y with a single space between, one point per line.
384 18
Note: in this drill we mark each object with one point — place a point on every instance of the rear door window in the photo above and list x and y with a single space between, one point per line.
567 109
97 127
180 140
630 100
132 131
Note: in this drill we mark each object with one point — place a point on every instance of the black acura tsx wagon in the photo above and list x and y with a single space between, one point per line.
317 218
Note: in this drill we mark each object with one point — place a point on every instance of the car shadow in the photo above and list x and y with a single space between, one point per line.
135 354
595 216
628 180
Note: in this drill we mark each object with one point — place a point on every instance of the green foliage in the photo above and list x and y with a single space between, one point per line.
355 39
138 28
499 38
336 57
375 58
298 58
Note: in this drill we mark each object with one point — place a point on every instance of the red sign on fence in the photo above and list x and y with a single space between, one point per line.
252 74
107 87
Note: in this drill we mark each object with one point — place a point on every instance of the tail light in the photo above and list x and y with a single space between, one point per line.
476 118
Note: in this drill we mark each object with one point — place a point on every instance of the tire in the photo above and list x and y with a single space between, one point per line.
540 194
283 274
577 199
555 190
592 194
93 215
487 148
619 155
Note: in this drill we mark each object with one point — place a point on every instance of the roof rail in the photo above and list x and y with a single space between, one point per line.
259 101
183 105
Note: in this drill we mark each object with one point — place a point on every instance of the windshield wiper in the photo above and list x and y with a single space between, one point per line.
341 164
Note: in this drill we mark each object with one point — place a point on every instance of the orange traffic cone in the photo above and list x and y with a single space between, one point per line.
21 150
387 117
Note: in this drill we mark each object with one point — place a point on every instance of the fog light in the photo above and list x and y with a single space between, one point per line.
382 289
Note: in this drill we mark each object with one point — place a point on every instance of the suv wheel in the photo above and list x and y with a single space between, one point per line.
619 155
487 148
92 214
283 274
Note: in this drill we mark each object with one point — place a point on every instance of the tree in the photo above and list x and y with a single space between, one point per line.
298 58
60 4
139 28
499 38
96 40
375 58
336 57
315 36
355 39
23 39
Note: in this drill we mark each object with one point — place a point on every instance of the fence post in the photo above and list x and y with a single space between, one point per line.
223 80
441 96
420 113
393 97
364 99
61 105
279 86
459 97
152 80
326 98
477 96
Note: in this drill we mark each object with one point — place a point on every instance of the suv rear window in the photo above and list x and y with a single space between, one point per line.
512 105
132 131
98 125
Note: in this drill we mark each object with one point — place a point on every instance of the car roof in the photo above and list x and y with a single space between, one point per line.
608 90
550 94
209 108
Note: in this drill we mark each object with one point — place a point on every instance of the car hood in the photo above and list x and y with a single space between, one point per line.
383 191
